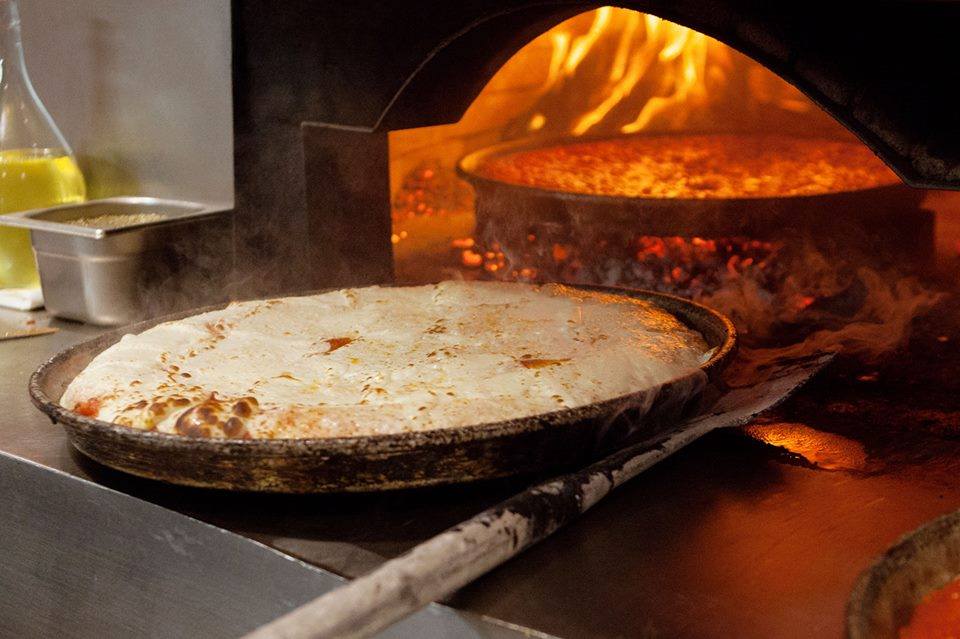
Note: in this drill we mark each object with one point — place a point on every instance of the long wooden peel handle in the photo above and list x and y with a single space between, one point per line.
452 559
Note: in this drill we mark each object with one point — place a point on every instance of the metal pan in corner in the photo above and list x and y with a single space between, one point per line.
525 445
886 594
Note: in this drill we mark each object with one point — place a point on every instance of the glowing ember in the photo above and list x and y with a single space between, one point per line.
694 166
685 266
824 450
429 190
471 259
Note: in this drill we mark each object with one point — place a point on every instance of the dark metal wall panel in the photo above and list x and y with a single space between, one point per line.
348 206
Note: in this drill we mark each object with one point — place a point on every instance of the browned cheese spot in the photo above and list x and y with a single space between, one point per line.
207 414
337 342
242 408
233 427
528 362
437 328
188 424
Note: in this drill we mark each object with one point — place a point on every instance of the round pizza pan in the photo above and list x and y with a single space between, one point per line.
554 440
865 219
886 594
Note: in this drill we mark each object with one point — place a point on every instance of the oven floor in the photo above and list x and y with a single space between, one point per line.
731 537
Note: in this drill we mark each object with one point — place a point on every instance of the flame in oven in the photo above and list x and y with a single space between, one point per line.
636 72
681 54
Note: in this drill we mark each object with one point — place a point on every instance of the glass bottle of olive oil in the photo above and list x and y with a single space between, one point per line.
37 167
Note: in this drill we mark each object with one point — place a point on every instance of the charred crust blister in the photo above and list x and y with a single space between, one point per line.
217 417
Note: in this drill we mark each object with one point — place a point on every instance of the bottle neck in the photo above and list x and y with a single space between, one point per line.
24 122
12 67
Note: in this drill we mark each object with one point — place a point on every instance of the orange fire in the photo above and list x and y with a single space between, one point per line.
643 70
642 42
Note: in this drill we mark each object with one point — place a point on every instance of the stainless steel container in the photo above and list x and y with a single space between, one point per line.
132 257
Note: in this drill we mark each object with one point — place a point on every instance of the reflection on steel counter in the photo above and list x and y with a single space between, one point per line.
84 561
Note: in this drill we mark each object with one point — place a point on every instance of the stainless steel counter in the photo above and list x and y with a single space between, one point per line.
730 537
82 561
24 431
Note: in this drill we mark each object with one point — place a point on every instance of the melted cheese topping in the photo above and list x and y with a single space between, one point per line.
384 360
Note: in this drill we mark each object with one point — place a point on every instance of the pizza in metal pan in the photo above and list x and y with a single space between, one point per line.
379 360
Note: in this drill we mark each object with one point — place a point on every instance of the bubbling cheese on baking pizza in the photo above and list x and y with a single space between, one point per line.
382 360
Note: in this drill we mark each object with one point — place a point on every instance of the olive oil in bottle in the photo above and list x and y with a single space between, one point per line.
37 167
31 180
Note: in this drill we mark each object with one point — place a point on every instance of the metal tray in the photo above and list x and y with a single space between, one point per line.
839 218
887 593
553 440
116 275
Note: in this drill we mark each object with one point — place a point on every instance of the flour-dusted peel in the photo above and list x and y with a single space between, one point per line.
384 360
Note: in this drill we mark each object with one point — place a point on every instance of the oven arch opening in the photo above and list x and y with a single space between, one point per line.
871 75
618 73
